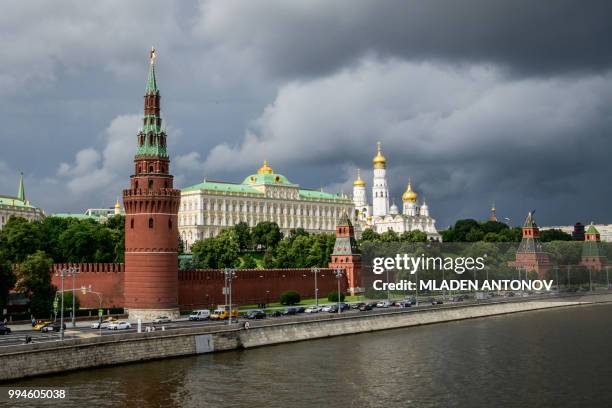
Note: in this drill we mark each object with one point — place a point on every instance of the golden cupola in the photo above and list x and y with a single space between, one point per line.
409 195
379 160
265 169
359 182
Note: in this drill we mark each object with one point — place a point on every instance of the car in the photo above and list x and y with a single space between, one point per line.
203 314
404 304
357 305
344 306
373 304
162 319
300 309
326 308
222 312
312 309
276 313
4 329
40 324
255 314
365 307
434 301
384 304
290 311
55 326
104 324
333 309
119 325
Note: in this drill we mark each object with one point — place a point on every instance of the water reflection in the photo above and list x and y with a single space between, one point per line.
549 358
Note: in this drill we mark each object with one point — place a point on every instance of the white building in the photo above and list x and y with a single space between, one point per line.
97 214
208 207
380 216
18 206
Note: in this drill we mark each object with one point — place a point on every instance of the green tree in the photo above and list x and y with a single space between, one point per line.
248 262
333 296
21 238
243 235
474 235
268 259
389 236
68 302
493 226
413 236
554 235
226 247
463 227
290 297
34 280
266 234
369 235
88 241
204 255
7 279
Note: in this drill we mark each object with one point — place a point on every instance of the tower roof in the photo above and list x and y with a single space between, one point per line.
151 80
530 220
359 182
379 160
21 190
344 220
265 169
592 229
409 195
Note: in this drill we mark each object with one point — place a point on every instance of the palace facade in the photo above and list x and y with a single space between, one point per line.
208 207
18 206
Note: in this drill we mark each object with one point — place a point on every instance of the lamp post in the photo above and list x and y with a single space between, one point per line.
86 290
76 270
62 273
229 275
338 273
316 271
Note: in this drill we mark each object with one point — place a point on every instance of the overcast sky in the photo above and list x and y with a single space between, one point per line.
478 102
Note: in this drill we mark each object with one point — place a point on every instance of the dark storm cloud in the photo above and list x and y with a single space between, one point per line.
314 38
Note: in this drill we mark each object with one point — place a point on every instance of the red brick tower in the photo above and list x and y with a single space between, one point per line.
592 254
151 206
530 256
346 256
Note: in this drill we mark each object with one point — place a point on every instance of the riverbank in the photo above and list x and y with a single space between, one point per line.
46 358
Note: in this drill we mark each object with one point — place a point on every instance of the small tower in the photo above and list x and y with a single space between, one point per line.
21 190
380 190
592 255
409 198
151 206
530 256
424 210
117 208
360 199
346 255
493 216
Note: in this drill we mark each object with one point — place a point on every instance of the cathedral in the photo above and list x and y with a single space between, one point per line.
382 217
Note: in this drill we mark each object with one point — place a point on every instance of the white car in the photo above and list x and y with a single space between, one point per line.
326 308
119 326
103 325
312 309
162 319
383 304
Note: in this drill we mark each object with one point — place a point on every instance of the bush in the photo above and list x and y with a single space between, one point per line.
333 296
291 297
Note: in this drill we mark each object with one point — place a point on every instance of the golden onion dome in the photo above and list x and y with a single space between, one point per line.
265 169
409 195
379 160
117 205
359 182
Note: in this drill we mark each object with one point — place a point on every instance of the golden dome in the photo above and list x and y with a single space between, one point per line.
409 195
117 205
359 182
265 169
379 160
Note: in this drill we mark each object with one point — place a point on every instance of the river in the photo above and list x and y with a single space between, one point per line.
553 358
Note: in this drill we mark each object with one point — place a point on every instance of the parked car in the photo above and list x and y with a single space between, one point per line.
39 325
365 307
333 309
290 311
384 304
312 309
326 308
434 301
344 307
404 303
119 325
300 309
104 324
4 329
162 319
276 313
255 314
203 314
357 305
55 326
373 304
222 312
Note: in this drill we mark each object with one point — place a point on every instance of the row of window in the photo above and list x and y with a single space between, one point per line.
151 223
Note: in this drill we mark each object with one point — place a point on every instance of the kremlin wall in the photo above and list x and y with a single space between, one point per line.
202 288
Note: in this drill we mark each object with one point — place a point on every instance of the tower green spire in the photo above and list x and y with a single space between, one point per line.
151 81
21 191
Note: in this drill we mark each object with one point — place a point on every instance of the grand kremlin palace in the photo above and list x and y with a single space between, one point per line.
210 206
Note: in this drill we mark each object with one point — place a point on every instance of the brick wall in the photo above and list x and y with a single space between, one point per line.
202 288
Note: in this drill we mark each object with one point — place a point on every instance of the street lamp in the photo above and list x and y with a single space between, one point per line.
62 273
86 290
316 271
339 273
229 275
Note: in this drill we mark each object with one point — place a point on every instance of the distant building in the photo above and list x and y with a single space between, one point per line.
493 216
346 256
18 206
97 214
577 231
592 255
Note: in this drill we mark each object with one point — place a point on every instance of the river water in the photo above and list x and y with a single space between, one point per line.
555 358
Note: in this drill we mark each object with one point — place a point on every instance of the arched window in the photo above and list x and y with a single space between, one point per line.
150 168
132 223
150 222
150 184
170 223
166 184
136 185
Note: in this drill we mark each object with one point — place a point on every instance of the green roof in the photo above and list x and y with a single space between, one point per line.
319 195
592 230
223 187
151 80
267 179
15 202
77 216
